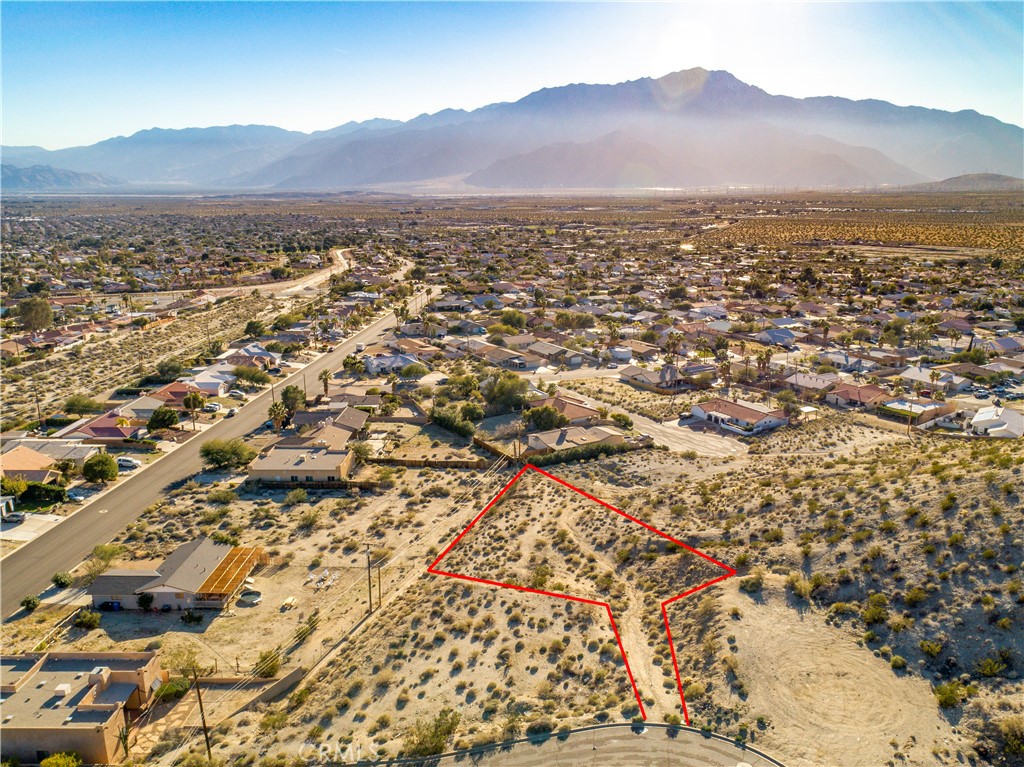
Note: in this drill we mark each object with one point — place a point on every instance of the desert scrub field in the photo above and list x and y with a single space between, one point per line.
657 407
107 362
891 547
968 230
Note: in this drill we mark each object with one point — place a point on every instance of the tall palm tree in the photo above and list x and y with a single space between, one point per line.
325 379
277 413
192 402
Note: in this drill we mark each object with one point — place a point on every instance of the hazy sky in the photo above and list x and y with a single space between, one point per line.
75 73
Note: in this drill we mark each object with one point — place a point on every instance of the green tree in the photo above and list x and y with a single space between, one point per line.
506 391
163 418
414 370
35 314
623 420
255 328
513 318
251 375
324 376
80 404
169 369
145 600
13 486
226 453
192 402
544 418
277 413
293 398
100 468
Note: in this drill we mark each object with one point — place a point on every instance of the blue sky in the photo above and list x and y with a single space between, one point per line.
76 73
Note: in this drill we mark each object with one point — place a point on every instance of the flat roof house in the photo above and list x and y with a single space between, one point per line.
301 465
996 421
739 416
54 702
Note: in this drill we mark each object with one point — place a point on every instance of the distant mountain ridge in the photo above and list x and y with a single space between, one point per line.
693 128
973 182
43 178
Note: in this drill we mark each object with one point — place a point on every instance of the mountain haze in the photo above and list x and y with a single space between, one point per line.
692 128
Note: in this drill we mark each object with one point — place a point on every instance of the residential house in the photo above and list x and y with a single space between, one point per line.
300 465
995 421
1003 344
197 574
574 436
57 449
387 363
173 394
29 465
214 381
109 428
351 419
811 384
578 413
853 395
740 416
918 410
55 702
945 381
778 337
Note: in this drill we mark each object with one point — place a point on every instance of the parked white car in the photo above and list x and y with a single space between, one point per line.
126 463
211 407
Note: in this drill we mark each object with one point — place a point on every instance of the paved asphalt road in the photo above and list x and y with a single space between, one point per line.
28 569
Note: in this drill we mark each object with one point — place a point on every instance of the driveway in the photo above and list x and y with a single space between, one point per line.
33 526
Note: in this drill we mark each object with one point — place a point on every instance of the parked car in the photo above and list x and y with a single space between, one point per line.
612 365
237 394
126 463
232 412
212 407
15 517
74 495
360 347
274 371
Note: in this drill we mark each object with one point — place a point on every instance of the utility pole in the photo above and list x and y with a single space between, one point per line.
202 714
380 589
369 581
273 398
39 414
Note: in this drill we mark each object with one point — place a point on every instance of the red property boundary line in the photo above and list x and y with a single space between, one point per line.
729 572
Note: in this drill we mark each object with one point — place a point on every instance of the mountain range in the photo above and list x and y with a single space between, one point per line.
690 129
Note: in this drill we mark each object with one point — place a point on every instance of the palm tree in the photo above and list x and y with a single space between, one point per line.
325 379
192 402
954 336
725 372
277 413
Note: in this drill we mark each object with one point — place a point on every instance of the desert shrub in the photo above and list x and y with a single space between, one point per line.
296 496
752 584
898 662
30 603
774 535
226 453
431 736
268 664
931 647
951 694
174 689
875 611
222 496
62 580
273 721
87 619
914 596
62 759
990 667
540 727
